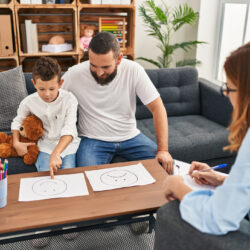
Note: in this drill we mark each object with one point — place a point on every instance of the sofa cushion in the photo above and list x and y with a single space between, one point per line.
17 166
179 90
192 137
13 91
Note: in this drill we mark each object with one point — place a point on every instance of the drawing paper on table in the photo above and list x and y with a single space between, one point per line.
41 188
119 177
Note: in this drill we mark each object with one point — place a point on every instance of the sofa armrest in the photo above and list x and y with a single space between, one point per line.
173 233
214 106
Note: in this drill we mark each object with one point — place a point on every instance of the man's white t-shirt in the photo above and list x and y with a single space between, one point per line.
107 112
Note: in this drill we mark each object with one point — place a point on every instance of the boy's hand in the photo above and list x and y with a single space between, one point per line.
55 163
22 147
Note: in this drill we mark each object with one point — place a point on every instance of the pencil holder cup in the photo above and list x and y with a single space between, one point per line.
3 193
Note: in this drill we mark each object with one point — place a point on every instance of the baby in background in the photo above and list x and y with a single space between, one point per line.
57 109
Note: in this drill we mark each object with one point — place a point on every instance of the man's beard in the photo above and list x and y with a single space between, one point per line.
104 81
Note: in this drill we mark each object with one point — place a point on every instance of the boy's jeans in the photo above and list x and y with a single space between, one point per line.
95 152
42 162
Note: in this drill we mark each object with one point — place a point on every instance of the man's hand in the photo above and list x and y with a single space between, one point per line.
22 147
166 160
55 163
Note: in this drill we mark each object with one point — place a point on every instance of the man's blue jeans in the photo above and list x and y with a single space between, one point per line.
95 152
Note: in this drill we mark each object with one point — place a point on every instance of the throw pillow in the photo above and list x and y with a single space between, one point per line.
12 92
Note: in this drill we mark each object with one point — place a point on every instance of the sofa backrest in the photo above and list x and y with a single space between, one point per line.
179 90
30 88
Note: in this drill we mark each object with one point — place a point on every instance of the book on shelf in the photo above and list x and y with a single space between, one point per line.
23 38
107 1
28 24
95 1
31 37
25 2
36 1
34 36
56 48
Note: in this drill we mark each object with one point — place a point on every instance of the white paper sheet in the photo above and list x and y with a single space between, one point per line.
119 177
41 188
181 168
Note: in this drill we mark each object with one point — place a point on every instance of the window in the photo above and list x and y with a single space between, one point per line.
234 30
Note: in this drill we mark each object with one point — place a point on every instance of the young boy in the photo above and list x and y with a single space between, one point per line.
57 109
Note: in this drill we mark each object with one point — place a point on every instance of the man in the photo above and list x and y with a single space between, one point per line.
106 87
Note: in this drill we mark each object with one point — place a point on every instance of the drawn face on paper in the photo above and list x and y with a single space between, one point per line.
49 187
119 178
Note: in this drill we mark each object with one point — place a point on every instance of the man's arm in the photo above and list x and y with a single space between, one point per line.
161 128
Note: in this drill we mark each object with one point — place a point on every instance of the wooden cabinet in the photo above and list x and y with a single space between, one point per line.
66 20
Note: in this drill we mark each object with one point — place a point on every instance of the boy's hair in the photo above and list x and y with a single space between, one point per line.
46 68
103 42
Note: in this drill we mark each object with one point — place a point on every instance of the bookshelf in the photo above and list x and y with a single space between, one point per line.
66 20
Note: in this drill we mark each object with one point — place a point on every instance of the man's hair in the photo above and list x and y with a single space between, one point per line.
103 42
46 68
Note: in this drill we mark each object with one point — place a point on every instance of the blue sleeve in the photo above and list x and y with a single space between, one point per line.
221 211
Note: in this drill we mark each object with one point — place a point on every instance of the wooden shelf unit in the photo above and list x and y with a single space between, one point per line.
66 20
91 14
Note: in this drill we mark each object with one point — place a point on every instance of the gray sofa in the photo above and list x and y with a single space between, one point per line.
172 233
197 114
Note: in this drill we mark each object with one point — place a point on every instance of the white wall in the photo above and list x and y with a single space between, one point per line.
146 46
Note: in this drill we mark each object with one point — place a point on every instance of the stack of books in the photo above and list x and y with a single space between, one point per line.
29 37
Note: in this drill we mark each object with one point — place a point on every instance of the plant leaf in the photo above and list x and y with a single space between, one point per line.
154 27
187 45
183 15
188 62
157 64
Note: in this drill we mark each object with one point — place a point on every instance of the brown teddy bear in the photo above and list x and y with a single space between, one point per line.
31 131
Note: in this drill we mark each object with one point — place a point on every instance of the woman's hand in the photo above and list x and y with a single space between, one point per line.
174 188
209 177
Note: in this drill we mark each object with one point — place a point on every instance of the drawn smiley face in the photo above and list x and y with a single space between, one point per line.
49 187
118 178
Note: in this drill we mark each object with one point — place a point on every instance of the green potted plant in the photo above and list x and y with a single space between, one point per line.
162 22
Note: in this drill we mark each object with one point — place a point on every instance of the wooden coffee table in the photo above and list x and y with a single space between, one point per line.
20 220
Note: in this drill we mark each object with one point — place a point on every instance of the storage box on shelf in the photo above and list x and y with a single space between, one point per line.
8 37
93 14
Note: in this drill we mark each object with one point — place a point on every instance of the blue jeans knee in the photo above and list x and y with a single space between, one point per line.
42 162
